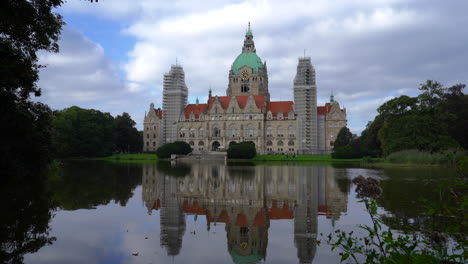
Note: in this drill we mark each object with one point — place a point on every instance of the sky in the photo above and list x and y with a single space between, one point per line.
114 53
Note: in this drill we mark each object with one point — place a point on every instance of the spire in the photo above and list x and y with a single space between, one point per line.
196 102
209 92
249 45
332 98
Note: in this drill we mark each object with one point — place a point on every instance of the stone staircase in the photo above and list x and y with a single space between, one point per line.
205 155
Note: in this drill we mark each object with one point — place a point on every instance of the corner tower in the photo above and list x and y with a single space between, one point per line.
248 74
305 104
175 94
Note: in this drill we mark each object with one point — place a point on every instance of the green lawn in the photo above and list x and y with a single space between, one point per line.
139 156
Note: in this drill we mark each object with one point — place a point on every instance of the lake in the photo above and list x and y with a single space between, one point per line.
201 212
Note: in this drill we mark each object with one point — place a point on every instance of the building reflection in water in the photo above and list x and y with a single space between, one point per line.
246 199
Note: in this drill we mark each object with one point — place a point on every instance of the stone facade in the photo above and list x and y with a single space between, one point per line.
247 114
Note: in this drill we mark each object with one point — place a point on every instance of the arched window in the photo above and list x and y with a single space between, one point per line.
201 132
233 130
182 132
269 131
154 144
291 131
201 143
269 143
192 132
250 131
280 131
280 143
192 143
244 88
291 143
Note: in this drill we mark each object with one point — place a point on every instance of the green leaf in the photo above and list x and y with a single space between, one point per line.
344 257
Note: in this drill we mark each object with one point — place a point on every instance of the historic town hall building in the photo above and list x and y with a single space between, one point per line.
246 112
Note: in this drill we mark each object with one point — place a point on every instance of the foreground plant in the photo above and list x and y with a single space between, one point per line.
381 245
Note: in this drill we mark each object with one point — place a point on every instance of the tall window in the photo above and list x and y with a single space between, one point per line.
250 131
192 132
182 132
280 143
269 131
201 132
233 131
244 88
291 131
280 131
216 132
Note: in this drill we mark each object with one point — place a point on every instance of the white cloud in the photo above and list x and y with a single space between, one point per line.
81 74
363 50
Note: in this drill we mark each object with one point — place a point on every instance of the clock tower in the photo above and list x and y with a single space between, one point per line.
248 74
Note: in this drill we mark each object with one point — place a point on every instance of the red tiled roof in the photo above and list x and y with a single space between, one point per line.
283 106
196 109
323 210
223 217
193 209
259 219
241 100
241 220
158 112
280 213
157 204
323 110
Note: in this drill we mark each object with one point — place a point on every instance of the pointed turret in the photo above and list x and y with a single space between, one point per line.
249 45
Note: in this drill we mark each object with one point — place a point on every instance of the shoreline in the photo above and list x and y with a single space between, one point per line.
279 159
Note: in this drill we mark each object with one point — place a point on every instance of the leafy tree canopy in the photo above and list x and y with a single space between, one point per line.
343 138
83 133
128 139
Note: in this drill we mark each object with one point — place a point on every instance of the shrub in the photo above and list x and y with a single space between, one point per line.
345 152
177 147
242 150
413 156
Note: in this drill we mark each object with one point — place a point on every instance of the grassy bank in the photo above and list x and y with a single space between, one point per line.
136 156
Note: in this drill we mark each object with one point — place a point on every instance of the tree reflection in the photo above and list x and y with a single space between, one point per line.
84 185
26 212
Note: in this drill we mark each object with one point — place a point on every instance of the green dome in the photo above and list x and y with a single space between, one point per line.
250 59
253 258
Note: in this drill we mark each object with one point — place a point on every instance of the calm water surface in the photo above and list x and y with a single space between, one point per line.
101 212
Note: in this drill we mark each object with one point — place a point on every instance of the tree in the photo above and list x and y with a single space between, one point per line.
343 138
242 150
25 28
457 108
81 132
177 148
128 139
417 122
370 143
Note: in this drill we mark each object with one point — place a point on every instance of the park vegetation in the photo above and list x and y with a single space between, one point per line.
175 148
441 240
78 132
432 125
242 150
